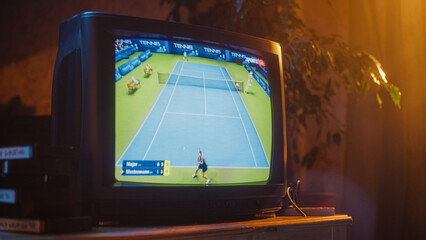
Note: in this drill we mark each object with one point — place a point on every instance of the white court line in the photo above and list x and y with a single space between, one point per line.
205 96
164 113
143 123
257 133
203 115
244 126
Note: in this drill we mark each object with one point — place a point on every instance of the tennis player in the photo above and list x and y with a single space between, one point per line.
201 165
237 86
249 81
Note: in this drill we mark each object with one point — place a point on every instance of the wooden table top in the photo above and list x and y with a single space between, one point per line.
190 231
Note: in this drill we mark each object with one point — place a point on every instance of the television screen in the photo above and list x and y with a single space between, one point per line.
189 113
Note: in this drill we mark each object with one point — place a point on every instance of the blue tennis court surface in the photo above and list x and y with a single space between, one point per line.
199 107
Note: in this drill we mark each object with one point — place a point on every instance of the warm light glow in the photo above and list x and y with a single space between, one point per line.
382 73
375 79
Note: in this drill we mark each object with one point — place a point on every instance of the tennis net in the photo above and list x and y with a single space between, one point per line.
175 79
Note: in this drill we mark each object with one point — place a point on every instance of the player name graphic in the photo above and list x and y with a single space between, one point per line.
131 164
145 167
143 172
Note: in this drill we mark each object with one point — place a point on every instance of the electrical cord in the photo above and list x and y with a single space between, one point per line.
291 199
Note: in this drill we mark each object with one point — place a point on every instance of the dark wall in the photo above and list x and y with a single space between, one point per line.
28 45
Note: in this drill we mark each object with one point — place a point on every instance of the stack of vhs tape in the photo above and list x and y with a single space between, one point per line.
35 189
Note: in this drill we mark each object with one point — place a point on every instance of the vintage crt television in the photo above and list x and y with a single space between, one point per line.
144 100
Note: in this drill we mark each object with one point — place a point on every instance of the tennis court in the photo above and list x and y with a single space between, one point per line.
199 107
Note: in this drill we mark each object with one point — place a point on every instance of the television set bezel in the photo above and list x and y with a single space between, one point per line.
87 40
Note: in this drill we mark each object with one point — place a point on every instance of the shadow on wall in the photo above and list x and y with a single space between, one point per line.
15 107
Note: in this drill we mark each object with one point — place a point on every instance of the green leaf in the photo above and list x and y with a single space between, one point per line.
396 96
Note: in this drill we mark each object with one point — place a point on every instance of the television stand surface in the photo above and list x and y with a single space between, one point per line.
324 227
